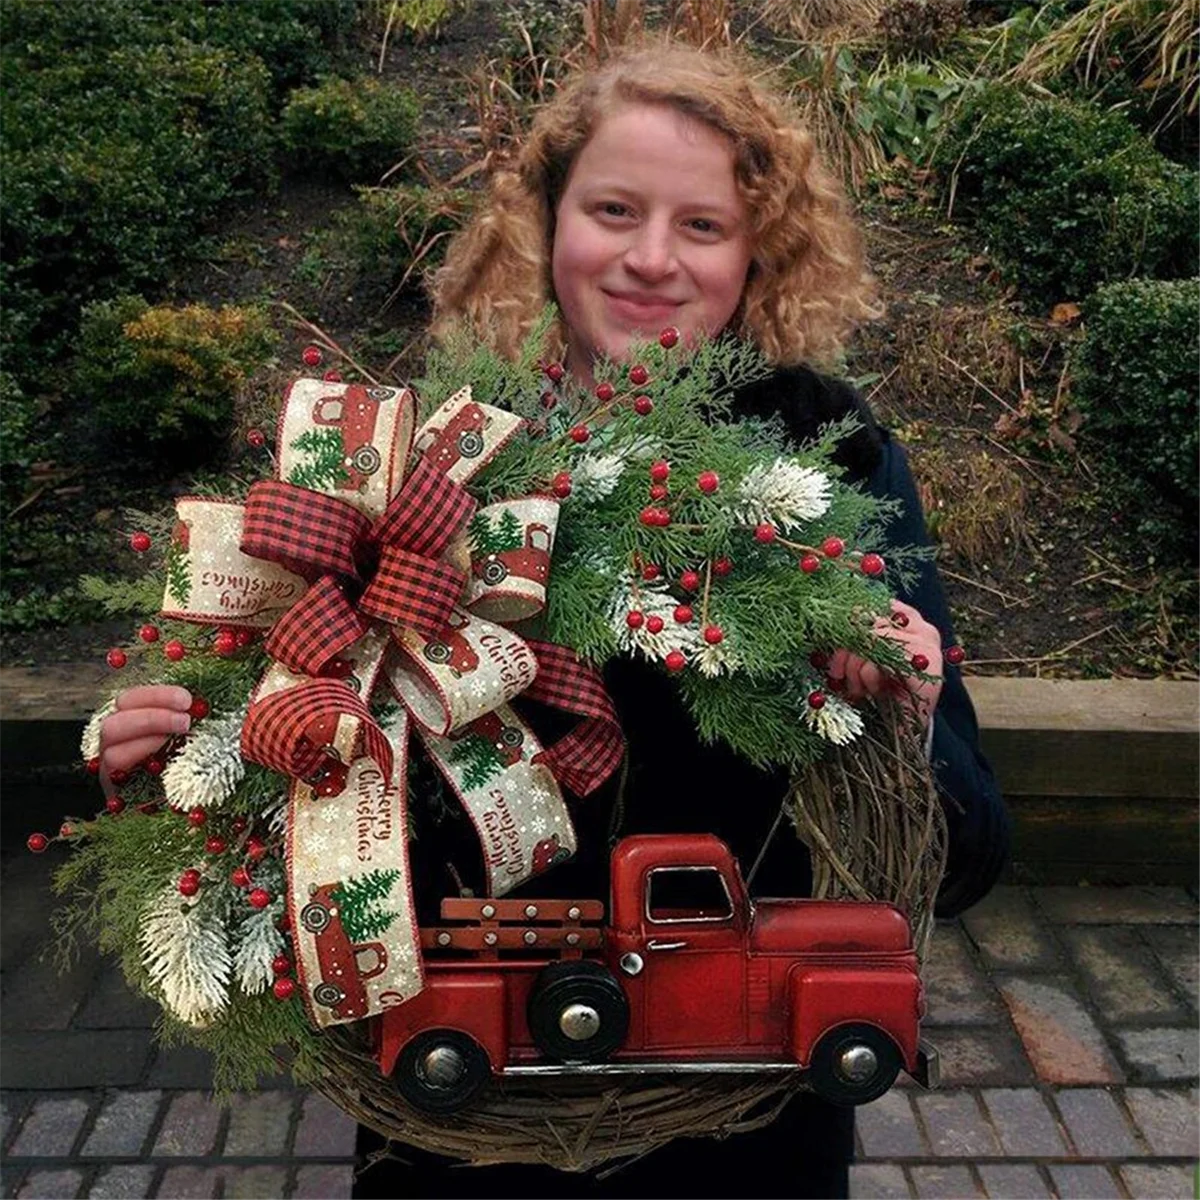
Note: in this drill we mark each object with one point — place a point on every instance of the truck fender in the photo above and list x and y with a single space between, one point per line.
822 997
471 1004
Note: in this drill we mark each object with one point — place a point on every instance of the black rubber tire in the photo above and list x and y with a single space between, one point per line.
328 994
314 917
829 1082
561 984
424 1094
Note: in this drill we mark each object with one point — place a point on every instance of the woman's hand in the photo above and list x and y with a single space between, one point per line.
855 678
145 718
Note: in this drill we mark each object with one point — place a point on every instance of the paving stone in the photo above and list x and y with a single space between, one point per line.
190 1183
123 1125
10 1179
325 1131
952 1183
1024 1122
1096 1123
1155 1054
884 1181
35 994
51 1128
1059 1035
26 900
334 1183
1009 932
1178 949
258 1124
957 991
1116 905
1159 1181
123 1183
1123 978
253 1183
189 1128
887 1127
12 1111
93 1058
185 1067
51 1185
981 1056
113 1004
1169 1119
1013 1181
956 1126
1083 1181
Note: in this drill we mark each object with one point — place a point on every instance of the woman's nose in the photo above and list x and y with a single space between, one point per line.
651 252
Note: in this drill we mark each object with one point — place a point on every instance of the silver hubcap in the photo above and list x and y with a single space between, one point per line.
443 1067
579 1022
857 1063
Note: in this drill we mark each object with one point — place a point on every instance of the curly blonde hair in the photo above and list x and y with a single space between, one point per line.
807 286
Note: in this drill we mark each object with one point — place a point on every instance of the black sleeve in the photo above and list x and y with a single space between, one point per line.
979 828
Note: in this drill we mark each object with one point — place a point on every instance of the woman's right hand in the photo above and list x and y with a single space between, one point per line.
145 718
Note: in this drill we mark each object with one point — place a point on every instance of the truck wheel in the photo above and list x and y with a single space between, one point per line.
366 460
577 1012
328 994
440 1070
470 443
854 1064
494 572
437 652
314 917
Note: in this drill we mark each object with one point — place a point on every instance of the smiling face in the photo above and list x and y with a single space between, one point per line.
650 231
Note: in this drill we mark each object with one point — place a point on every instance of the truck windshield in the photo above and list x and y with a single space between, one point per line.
687 894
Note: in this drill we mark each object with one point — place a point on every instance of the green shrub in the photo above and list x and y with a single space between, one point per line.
352 128
1068 196
161 382
1135 383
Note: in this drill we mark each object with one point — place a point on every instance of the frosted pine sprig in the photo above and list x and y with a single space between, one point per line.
89 745
595 476
712 661
185 950
210 765
836 721
651 600
782 493
258 943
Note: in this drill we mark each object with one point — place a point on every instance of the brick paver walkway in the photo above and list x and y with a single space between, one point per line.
1065 1017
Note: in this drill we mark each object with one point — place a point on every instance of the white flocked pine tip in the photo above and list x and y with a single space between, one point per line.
595 476
782 493
89 744
210 766
720 659
836 721
258 943
651 600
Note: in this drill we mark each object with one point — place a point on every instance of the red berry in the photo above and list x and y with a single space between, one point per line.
116 658
225 643
900 620
259 898
66 831
955 655
919 662
311 356
708 482
635 619
819 660
332 377
189 884
871 564
198 708
651 571
148 633
659 491
243 637
215 845
192 872
816 699
284 924
714 635
561 485
555 372
115 805
605 392
643 405
648 515
664 518
140 541
117 778
832 547
256 438
196 817
668 337
549 400
689 581
154 766
283 988
93 765
240 877
764 532
654 624
660 471
256 848
174 650
722 566
810 563
675 661
638 375
580 434
37 842
238 825
683 613
281 964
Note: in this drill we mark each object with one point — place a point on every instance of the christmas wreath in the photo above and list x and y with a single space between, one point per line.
416 561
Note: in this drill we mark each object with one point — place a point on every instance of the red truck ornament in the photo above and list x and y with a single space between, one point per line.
689 975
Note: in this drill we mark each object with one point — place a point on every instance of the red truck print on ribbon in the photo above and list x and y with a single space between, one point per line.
355 415
505 739
547 853
689 974
342 986
531 561
461 437
449 648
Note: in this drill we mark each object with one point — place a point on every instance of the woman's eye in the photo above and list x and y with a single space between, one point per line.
613 208
704 225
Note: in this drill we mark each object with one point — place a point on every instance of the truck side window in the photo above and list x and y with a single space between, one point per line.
687 894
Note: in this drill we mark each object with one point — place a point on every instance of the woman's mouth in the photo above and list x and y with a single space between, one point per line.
642 310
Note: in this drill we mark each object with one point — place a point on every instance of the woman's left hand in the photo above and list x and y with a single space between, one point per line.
856 678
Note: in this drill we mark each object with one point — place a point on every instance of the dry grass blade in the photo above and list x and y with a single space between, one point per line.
822 20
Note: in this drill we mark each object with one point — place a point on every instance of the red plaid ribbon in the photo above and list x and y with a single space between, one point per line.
592 751
426 513
409 589
307 532
320 625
